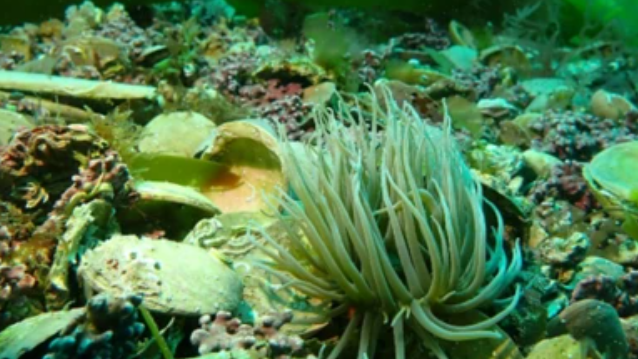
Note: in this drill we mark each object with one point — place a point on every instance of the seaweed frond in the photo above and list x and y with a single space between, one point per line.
119 130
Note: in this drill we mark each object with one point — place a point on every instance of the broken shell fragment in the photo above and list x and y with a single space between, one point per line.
610 105
497 108
613 176
74 87
229 233
176 133
540 162
24 336
507 56
152 55
461 35
166 208
174 278
466 115
601 49
302 69
526 120
85 219
101 52
319 94
176 194
414 74
18 44
513 134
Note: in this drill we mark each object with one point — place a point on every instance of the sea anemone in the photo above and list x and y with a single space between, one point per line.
392 225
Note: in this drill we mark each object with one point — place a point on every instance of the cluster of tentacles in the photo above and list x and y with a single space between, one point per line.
393 225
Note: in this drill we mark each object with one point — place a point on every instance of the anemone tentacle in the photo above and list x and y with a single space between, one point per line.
392 223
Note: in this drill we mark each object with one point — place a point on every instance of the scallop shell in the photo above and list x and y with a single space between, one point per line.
174 278
612 175
250 150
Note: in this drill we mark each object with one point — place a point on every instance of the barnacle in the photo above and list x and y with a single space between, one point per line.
393 225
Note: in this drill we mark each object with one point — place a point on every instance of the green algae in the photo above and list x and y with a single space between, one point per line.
184 171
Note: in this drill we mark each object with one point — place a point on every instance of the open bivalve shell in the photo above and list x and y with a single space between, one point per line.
250 151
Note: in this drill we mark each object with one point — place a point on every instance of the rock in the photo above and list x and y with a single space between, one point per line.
585 320
597 266
563 346
565 251
590 71
630 326
37 10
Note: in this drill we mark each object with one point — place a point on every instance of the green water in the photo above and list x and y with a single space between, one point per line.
437 186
